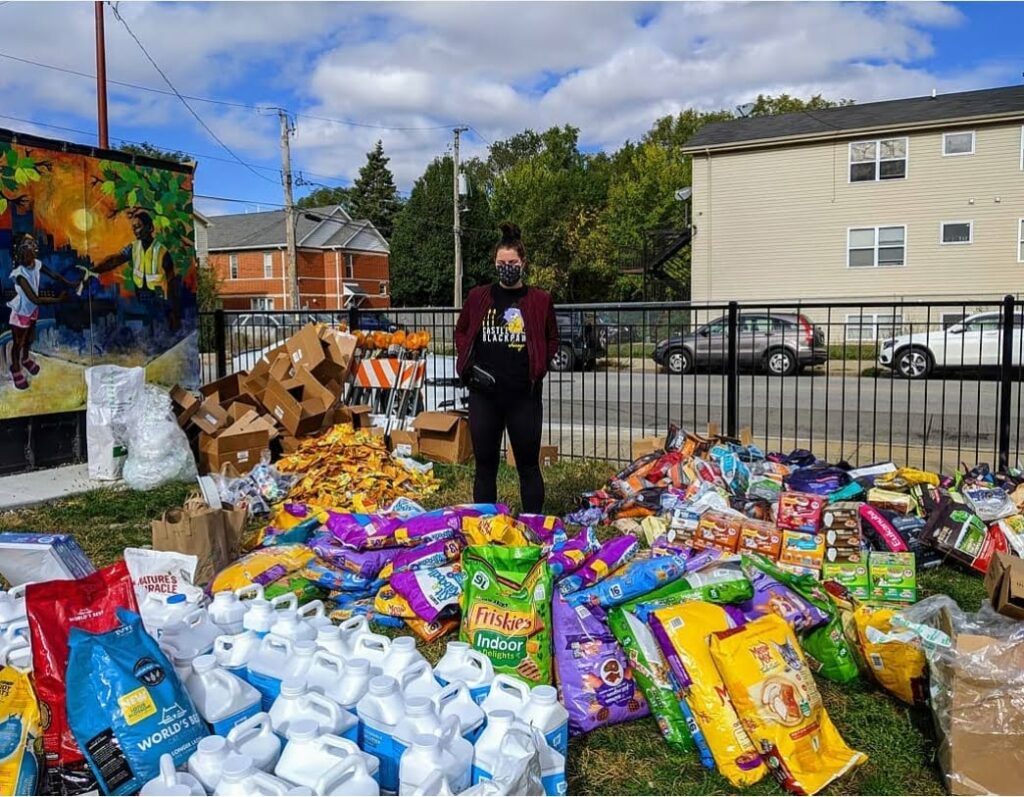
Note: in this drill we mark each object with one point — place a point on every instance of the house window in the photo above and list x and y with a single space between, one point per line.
268 265
1020 240
883 159
383 289
872 326
956 232
871 247
949 319
233 266
961 143
350 267
262 303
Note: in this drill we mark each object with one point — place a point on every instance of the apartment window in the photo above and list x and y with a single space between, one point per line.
233 266
383 289
956 232
883 159
350 267
268 265
871 247
262 303
872 326
1020 240
958 143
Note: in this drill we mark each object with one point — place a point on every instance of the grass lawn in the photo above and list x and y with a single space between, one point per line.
622 759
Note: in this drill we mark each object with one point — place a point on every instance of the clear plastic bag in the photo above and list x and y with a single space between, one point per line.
257 490
158 450
114 395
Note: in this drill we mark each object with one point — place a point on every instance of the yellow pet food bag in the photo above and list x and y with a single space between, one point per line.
495 530
686 629
263 566
19 734
775 695
894 657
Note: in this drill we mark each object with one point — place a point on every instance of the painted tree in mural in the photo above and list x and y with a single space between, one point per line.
16 172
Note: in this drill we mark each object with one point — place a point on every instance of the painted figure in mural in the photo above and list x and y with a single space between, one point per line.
152 266
25 307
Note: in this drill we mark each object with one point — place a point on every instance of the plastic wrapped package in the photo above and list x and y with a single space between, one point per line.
158 450
114 394
258 489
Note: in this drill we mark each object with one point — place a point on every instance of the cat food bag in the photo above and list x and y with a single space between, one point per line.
506 609
433 554
548 529
772 690
430 632
659 687
594 679
365 564
20 734
362 532
164 572
263 567
298 585
892 655
567 556
634 580
390 603
772 596
495 530
329 577
290 523
126 707
429 592
53 608
611 556
687 628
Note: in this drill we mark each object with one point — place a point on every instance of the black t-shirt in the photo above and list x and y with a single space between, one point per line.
501 345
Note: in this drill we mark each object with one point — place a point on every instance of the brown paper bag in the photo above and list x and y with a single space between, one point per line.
234 531
198 530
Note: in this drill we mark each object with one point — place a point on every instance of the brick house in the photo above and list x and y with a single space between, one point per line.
341 262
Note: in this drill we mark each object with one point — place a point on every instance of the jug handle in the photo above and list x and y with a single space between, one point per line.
312 609
509 684
222 644
374 642
357 623
414 672
477 659
275 642
268 783
193 618
18 648
168 774
18 592
333 662
14 627
327 707
354 763
232 685
450 692
259 721
289 600
451 729
243 593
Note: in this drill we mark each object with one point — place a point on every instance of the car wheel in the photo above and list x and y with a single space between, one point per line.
914 363
781 362
679 361
563 360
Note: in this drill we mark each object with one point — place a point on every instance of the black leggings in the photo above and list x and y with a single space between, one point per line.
490 414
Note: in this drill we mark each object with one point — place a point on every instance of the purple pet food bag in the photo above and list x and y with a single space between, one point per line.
568 556
612 555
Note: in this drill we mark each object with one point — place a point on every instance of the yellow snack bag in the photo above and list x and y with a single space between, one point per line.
495 530
686 629
775 695
894 658
20 734
392 604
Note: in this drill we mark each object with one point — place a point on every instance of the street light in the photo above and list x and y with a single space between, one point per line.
684 193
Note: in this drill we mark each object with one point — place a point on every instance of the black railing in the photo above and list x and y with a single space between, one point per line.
944 391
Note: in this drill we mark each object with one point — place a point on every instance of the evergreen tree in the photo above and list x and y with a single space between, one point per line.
374 195
324 196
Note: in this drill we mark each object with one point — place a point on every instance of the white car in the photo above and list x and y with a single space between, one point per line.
974 342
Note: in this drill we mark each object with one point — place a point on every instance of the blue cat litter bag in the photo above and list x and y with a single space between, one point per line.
126 707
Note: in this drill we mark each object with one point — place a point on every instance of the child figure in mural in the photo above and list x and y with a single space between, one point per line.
25 307
152 265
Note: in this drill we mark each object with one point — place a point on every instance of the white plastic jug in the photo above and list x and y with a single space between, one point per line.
268 666
286 602
351 630
297 702
487 750
420 717
400 656
457 760
434 786
12 605
18 656
373 648
418 680
460 662
255 738
348 777
233 652
160 609
546 714
309 754
239 776
15 635
314 614
259 616
380 710
456 700
221 698
328 637
303 653
508 693
249 593
227 612
421 763
289 626
351 688
191 636
182 666
552 771
171 782
206 763
327 674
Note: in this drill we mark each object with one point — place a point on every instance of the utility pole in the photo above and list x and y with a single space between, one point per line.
291 265
101 77
458 217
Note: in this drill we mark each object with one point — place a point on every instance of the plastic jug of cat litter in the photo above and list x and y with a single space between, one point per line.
297 702
546 714
420 717
460 662
240 778
18 655
206 763
221 698
270 665
372 647
421 763
326 674
288 625
351 630
400 656
190 636
309 754
552 771
259 616
487 750
233 652
161 609
380 710
328 637
508 693
434 786
303 652
255 737
353 686
249 593
182 666
172 783
458 756
314 614
455 700
417 680
227 612
12 605
348 777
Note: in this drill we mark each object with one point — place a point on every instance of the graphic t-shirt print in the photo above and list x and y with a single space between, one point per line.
508 330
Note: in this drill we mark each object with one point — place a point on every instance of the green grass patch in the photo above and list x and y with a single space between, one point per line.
627 350
858 352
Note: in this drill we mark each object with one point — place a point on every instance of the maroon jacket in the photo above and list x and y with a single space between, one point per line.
541 328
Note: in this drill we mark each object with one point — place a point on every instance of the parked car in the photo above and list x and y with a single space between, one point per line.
372 321
614 330
975 342
581 341
780 343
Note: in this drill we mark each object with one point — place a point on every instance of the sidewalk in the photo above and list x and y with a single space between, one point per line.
40 486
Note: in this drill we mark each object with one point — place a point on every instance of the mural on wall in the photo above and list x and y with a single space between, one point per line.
97 265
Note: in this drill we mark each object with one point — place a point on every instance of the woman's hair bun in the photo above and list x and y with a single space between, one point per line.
510 233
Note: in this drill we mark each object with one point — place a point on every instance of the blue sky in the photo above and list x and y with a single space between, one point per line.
406 72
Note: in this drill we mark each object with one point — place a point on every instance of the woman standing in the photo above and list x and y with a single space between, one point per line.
505 337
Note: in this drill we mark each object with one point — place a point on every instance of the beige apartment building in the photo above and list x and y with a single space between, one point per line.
920 198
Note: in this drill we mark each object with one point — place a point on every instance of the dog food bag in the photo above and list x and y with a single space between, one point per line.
687 628
893 656
634 580
431 591
879 530
263 567
654 677
20 734
126 707
612 555
548 529
772 595
594 679
773 692
568 555
53 608
724 582
506 609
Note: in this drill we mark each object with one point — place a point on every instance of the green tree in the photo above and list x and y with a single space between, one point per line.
325 196
374 195
148 150
17 171
767 105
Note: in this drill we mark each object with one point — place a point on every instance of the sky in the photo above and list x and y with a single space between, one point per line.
406 73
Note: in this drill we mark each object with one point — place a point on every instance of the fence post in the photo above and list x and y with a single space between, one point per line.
220 342
1006 381
732 408
353 318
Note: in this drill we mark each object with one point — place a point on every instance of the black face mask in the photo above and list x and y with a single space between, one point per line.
509 275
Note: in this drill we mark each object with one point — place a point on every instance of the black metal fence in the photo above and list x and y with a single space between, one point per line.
929 384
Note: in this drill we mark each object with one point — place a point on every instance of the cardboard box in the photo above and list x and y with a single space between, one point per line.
339 352
444 436
402 439
799 570
28 556
224 390
359 416
719 530
1004 583
893 577
757 536
305 348
211 417
548 456
647 445
850 555
842 518
852 575
241 444
300 404
802 550
800 512
184 403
